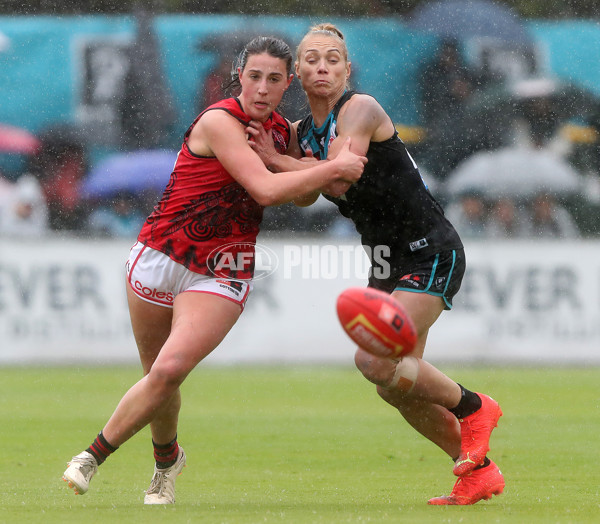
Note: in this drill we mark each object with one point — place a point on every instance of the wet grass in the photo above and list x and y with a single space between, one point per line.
297 445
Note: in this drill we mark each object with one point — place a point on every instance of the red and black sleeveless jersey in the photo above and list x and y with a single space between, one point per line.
204 212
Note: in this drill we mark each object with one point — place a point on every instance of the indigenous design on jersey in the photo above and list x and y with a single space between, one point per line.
390 204
204 208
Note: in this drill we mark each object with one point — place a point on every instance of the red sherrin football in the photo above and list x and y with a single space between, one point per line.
376 322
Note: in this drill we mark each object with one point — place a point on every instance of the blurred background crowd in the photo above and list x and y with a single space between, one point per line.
511 149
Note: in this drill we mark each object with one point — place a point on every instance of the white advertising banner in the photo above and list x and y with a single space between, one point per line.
526 301
63 301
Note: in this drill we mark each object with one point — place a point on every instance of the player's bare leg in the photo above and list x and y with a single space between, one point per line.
432 421
422 407
200 322
476 413
456 420
422 396
151 328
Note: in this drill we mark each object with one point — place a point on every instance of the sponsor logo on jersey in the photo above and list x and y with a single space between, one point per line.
418 244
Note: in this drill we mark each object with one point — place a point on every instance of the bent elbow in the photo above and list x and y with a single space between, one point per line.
266 199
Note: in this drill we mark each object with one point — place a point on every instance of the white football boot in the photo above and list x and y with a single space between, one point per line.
80 471
162 486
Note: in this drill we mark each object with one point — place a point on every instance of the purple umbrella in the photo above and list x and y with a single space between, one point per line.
133 172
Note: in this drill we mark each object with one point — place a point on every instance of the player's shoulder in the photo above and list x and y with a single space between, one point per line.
216 118
362 111
361 103
228 108
363 98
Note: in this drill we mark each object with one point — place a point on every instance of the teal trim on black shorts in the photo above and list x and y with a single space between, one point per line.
427 289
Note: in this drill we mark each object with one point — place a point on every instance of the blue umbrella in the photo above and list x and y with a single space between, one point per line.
135 171
460 19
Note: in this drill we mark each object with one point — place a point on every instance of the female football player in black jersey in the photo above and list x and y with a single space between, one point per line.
391 207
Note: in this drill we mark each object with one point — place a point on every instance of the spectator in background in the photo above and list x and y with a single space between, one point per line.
215 84
447 84
542 216
469 215
538 124
588 142
542 119
23 210
60 167
5 188
507 220
118 217
549 219
594 122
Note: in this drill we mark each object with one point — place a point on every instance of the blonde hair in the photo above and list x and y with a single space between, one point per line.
326 29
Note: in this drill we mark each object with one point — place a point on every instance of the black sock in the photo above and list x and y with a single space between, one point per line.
101 449
486 462
469 403
166 454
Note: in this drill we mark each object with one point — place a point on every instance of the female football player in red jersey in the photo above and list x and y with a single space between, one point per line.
184 293
391 206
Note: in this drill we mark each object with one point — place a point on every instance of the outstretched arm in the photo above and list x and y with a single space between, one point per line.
261 141
219 134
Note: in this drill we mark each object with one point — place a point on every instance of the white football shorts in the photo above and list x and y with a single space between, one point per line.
156 278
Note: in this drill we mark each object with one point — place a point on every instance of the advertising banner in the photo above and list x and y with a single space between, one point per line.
63 301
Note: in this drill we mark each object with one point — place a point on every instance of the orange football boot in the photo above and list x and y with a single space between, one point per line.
475 435
478 485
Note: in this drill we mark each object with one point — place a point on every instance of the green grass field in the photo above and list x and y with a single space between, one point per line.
297 445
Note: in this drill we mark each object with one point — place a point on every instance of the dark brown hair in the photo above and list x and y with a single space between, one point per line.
271 45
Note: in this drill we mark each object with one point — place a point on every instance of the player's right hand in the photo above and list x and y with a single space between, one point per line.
350 165
336 188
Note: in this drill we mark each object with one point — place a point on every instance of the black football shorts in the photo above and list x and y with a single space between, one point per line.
440 275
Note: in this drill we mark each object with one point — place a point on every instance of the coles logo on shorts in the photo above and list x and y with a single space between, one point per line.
154 293
241 260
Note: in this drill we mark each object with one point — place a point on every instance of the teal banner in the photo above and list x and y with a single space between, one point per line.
75 70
